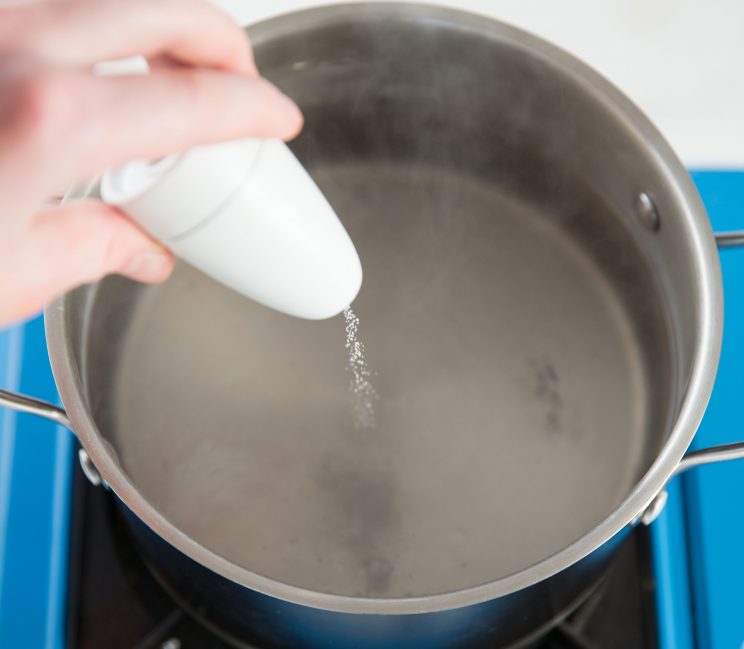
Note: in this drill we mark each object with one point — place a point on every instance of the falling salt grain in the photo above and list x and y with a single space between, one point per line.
363 393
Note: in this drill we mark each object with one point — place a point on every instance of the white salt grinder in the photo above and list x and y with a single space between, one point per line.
247 214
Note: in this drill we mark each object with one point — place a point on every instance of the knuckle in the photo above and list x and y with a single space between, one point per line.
45 103
35 105
81 241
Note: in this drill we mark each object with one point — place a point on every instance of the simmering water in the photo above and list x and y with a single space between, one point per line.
363 392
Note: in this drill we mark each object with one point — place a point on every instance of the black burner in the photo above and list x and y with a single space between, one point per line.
114 601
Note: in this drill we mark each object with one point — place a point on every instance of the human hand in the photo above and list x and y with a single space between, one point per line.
60 124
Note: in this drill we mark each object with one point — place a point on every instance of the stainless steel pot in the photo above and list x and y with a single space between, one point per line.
542 306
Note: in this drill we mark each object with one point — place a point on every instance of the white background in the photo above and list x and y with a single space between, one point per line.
680 60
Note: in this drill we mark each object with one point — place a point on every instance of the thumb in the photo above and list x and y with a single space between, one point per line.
73 244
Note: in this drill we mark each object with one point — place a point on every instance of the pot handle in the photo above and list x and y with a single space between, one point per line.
36 407
712 455
22 403
730 239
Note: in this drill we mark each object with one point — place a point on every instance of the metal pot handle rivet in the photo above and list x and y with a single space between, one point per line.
89 469
647 212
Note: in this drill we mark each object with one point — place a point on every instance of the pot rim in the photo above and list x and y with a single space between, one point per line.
708 286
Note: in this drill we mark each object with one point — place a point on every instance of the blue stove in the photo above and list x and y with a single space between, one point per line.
60 572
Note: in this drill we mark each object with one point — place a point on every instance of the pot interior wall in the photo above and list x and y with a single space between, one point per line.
517 318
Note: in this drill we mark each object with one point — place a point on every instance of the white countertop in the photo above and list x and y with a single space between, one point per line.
679 60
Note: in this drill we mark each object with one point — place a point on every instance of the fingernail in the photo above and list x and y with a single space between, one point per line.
149 266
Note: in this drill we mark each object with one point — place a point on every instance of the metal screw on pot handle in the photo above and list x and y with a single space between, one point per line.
89 469
40 408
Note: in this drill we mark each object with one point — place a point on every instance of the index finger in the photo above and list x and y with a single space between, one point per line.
115 119
84 32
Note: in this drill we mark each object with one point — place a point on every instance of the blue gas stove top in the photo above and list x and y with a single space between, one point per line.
697 543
